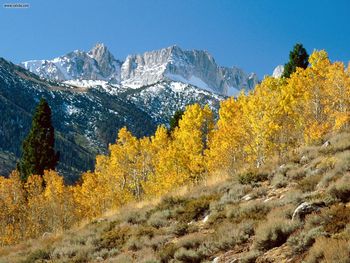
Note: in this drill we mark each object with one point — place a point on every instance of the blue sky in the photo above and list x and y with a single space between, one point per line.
254 35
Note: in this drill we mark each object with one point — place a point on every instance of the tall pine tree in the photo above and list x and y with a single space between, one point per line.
174 121
298 57
38 152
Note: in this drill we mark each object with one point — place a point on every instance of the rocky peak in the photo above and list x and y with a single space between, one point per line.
194 67
278 71
108 65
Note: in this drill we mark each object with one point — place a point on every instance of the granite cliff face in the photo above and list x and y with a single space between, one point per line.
97 64
194 67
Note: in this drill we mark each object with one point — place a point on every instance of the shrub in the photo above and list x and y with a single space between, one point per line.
146 255
309 183
279 180
303 240
35 256
310 151
329 250
191 241
227 235
123 258
136 217
143 230
159 218
71 251
187 255
252 177
216 217
135 243
234 194
80 257
296 174
170 202
250 256
339 142
115 238
179 229
336 218
159 241
273 233
167 252
194 209
293 196
252 210
341 189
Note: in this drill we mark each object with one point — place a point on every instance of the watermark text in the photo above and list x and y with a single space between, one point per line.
16 5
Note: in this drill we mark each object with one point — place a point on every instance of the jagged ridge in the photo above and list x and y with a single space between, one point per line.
195 67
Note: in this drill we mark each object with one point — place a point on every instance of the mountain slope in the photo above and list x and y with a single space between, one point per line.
86 114
195 67
295 212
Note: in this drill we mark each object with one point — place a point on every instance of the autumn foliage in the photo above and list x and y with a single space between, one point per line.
277 116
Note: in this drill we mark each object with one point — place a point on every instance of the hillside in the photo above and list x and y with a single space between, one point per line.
86 114
295 212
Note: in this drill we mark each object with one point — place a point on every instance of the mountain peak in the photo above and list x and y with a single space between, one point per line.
100 52
98 48
195 67
278 71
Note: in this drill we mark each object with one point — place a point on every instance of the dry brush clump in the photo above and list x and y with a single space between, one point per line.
329 250
274 231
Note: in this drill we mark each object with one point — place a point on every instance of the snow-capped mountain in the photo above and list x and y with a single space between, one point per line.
87 114
97 64
195 67
278 71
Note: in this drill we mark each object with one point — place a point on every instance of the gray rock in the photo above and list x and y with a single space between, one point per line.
306 208
304 159
326 144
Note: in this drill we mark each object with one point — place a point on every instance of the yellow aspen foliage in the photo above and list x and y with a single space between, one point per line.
190 141
227 144
158 181
127 164
13 211
58 201
180 159
262 114
338 93
35 206
88 196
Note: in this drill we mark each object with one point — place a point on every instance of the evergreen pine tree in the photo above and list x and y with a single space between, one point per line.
38 152
298 57
174 121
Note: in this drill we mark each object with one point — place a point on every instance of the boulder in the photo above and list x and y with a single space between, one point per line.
306 208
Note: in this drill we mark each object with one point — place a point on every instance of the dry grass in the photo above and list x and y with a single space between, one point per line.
329 250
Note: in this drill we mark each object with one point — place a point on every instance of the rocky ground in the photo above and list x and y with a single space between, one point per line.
297 211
